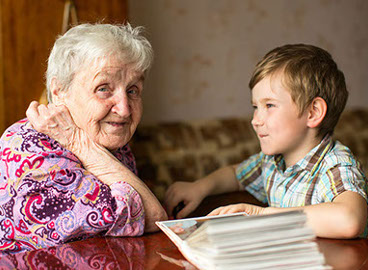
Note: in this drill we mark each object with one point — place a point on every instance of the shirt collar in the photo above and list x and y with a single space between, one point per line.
317 154
311 160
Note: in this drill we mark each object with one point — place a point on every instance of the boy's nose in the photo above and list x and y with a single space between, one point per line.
256 120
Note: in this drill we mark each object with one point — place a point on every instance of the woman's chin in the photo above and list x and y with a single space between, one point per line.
113 146
112 140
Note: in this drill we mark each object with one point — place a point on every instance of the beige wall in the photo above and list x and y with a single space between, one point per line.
206 49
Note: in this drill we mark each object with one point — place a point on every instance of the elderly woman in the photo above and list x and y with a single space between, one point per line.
67 172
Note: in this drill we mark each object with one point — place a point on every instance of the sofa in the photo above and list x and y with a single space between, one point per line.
188 150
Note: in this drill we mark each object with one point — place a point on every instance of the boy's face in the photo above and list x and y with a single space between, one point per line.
276 120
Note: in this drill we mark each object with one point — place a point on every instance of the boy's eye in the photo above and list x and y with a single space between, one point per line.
268 105
254 107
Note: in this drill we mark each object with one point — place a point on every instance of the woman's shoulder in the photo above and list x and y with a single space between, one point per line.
23 149
22 137
126 156
15 128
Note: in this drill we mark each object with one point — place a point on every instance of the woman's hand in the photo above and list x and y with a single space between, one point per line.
250 209
190 193
54 121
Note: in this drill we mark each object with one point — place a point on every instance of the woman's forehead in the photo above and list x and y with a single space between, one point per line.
112 67
106 62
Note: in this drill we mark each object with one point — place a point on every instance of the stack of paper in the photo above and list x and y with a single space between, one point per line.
238 241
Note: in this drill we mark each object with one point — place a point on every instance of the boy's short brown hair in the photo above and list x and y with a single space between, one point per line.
309 72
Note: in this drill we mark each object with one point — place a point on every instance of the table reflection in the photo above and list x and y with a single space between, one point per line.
94 253
155 251
345 254
151 251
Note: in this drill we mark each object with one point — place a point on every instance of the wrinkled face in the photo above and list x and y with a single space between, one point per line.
276 120
104 100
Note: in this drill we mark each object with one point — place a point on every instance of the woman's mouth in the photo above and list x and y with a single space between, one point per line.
117 124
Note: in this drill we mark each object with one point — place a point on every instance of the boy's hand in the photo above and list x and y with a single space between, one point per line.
250 209
190 193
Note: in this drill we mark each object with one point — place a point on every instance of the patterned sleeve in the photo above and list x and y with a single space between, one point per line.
48 198
249 174
341 178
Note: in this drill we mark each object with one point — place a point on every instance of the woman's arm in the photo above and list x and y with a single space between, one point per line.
109 170
56 122
51 199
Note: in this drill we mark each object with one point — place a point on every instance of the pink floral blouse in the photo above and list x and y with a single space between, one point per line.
48 198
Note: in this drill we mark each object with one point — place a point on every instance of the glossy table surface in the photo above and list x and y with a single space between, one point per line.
156 251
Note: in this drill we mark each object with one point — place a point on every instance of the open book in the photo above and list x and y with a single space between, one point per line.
239 241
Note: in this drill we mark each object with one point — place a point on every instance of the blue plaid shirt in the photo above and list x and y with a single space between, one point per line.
325 172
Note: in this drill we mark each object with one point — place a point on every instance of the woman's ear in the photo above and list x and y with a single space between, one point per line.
317 112
56 91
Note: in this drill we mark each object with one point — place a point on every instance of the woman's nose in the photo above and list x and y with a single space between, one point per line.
121 105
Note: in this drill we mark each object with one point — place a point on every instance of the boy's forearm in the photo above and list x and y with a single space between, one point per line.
221 181
345 217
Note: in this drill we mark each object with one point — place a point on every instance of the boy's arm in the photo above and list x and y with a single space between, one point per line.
345 217
192 193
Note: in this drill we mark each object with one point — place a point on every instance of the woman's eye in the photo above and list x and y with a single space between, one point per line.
270 105
102 89
134 92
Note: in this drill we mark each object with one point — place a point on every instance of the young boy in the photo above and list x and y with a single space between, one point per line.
298 94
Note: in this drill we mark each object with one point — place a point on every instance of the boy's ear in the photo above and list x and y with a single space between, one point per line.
317 112
56 91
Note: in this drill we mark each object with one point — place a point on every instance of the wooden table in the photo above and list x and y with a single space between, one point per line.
156 251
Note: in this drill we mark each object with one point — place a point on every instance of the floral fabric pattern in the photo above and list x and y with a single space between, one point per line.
48 198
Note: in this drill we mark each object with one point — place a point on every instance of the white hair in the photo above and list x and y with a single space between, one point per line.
85 43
